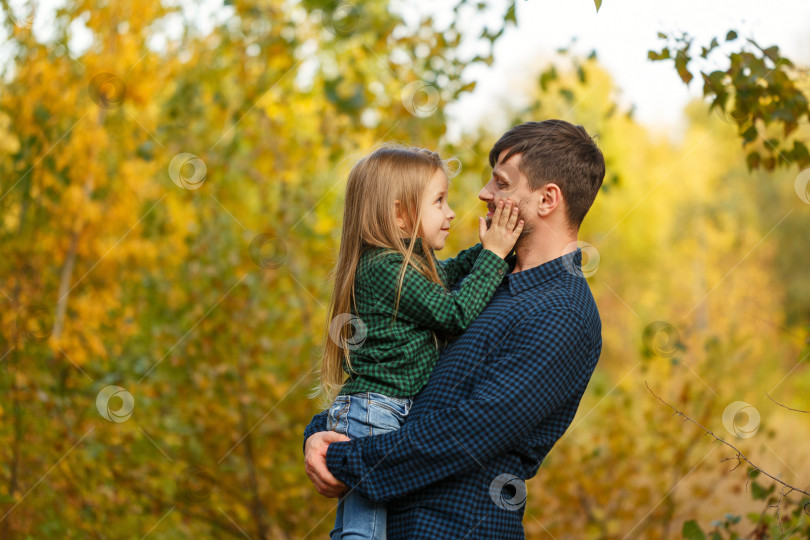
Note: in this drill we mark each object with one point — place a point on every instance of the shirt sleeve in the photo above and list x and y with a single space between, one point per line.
459 266
515 394
430 304
318 423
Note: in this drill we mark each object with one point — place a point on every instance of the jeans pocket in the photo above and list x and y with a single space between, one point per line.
385 415
401 405
337 415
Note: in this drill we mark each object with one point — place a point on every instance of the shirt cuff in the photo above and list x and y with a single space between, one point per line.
492 262
337 461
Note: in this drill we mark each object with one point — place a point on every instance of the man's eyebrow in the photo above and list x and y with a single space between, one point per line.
499 172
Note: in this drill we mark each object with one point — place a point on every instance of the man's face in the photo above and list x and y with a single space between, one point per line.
507 182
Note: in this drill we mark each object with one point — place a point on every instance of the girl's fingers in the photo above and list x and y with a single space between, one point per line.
503 214
513 214
507 213
496 217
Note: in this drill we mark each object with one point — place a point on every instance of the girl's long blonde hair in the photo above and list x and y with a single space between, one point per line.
375 182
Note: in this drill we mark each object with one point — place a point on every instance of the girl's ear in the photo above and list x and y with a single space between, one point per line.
400 222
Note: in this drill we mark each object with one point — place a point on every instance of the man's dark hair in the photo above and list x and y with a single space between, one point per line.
556 151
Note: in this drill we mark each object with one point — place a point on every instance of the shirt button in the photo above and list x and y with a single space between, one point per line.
500 272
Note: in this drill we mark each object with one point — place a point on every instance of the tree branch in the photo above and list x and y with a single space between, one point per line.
785 406
740 456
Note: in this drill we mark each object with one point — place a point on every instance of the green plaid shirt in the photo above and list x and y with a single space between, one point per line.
396 359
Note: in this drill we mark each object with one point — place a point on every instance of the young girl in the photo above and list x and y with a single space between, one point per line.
391 298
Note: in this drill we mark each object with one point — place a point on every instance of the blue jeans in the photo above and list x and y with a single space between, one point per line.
361 415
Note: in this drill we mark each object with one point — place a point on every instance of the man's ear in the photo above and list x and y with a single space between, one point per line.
550 198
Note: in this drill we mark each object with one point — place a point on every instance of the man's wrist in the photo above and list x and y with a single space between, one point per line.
316 425
337 459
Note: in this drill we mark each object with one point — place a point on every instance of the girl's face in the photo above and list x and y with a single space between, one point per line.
436 212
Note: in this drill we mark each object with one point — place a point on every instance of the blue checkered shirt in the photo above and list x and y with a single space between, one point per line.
499 398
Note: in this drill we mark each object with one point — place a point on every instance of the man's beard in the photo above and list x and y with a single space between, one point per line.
527 228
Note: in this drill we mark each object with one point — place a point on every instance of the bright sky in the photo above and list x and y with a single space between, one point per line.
621 33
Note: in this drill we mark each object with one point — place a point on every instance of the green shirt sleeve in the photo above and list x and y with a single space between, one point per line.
431 304
459 266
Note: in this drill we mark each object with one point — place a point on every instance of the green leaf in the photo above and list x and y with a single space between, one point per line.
41 113
546 77
469 87
799 152
662 36
752 160
772 53
511 16
598 4
681 60
731 36
581 74
692 531
749 135
663 55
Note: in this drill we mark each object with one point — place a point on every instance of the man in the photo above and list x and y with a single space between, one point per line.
507 389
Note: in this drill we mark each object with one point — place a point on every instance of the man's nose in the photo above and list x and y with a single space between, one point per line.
486 194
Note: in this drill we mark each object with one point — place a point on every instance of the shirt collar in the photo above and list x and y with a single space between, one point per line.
532 277
417 244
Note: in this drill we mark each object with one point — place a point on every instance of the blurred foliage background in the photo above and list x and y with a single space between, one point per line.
170 211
